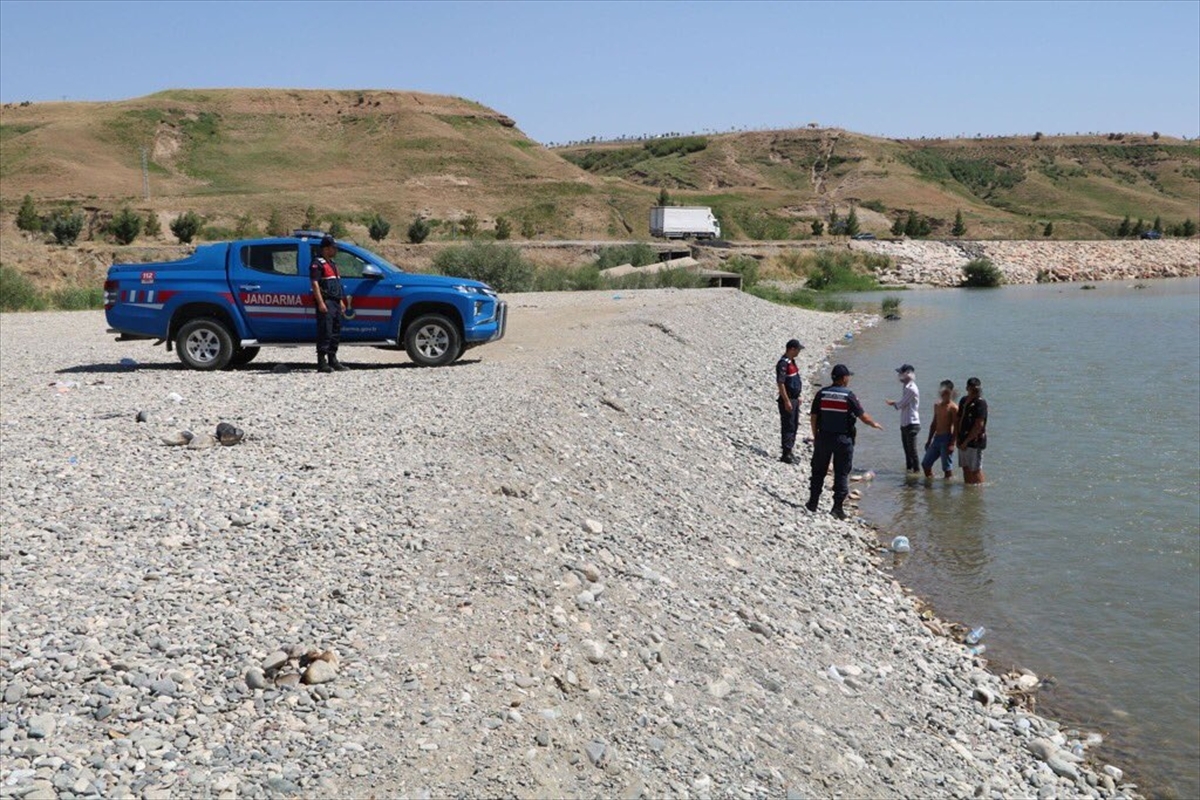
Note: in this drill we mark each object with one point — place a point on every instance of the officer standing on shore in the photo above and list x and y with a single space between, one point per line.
833 414
788 384
330 301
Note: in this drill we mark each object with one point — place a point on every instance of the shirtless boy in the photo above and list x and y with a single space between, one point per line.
940 442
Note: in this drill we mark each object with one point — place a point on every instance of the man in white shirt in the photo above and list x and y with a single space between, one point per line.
910 417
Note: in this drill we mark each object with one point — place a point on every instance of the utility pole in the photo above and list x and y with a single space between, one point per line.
145 175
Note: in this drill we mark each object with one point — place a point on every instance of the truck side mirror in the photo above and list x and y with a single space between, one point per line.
372 271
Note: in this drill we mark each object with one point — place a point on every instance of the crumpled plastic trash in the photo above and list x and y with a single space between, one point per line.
175 397
143 416
900 545
128 362
64 386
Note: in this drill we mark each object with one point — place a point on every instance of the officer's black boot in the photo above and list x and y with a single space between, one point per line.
811 505
335 364
322 364
838 511
787 457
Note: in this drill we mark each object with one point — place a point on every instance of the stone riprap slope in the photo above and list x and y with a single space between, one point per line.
569 566
932 263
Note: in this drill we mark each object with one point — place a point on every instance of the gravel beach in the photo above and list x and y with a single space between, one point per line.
568 566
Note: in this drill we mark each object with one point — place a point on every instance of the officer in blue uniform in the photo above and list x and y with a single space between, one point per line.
833 414
330 301
788 384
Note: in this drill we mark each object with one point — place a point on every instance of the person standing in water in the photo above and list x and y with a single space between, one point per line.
910 418
834 411
940 442
972 432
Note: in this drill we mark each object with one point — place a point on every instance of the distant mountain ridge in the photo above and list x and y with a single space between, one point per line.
241 154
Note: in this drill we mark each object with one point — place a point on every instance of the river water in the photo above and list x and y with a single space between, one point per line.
1081 555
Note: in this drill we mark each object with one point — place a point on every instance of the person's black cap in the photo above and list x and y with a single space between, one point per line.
841 371
328 241
903 368
973 383
793 344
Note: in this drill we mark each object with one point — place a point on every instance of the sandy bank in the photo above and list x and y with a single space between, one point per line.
570 568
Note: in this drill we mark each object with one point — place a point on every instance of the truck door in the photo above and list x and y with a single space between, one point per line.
272 291
369 315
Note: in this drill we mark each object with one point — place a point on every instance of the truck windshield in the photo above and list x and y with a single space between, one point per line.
351 260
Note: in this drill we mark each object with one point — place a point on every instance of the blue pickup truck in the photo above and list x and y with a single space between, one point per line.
218 306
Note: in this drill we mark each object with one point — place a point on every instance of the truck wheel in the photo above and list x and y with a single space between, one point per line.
243 356
432 341
204 344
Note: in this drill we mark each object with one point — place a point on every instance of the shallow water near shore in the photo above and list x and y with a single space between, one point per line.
1081 555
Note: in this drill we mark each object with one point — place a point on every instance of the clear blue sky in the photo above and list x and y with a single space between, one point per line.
569 70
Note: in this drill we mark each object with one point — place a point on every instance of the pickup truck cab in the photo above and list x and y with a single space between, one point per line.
220 305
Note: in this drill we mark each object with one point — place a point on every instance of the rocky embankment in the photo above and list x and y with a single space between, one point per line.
569 566
940 263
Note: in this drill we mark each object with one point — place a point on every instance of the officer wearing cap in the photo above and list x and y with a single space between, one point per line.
330 301
787 384
833 414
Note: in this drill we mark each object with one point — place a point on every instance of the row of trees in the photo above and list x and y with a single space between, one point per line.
1187 228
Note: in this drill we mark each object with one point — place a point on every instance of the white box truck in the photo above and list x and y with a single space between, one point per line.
684 222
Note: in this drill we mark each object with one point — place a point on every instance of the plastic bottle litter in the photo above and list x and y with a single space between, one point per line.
64 386
974 636
849 335
900 545
73 460
977 650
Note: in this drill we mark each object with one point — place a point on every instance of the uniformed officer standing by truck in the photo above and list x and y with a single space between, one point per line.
787 384
833 414
330 300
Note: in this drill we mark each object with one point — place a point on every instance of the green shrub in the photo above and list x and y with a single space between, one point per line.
17 292
1189 228
1043 276
664 197
186 226
125 226
500 266
874 205
890 306
217 233
678 278
245 228
503 229
77 298
66 227
801 298
275 224
151 226
681 145
568 279
337 228
638 254
1048 230
747 267
982 273
28 218
818 227
310 219
469 226
378 228
418 231
839 271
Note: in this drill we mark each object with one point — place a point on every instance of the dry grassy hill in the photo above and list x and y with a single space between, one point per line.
226 153
242 154
771 184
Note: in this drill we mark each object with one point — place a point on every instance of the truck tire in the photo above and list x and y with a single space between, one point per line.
204 344
243 356
432 341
